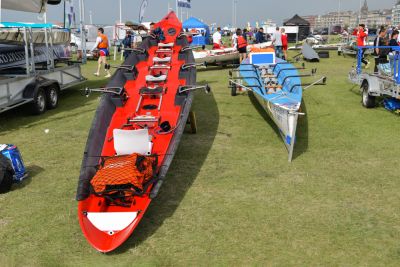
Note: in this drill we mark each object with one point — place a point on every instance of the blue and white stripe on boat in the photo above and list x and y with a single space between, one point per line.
277 87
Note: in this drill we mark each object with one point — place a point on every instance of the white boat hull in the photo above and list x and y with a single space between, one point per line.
285 120
215 59
16 36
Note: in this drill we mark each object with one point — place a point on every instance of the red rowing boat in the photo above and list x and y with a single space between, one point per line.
135 134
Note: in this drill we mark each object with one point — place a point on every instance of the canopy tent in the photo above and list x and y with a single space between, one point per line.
304 27
26 25
35 6
200 31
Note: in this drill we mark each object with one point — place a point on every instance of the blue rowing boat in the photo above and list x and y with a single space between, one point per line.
277 86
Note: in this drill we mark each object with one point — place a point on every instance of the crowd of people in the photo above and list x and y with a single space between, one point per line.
383 47
242 38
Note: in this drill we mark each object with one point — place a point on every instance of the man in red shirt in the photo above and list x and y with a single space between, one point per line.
284 43
362 36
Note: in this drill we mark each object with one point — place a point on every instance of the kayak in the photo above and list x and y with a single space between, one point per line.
13 56
135 134
217 56
276 85
227 54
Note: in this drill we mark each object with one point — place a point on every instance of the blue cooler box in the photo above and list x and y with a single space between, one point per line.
12 153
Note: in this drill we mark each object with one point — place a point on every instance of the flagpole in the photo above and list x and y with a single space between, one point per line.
177 8
64 12
120 11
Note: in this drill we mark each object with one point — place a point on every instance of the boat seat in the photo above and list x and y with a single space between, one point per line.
155 67
151 91
162 60
170 45
151 78
127 142
144 118
163 50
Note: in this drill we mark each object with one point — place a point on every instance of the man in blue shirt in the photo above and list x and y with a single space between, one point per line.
127 42
260 37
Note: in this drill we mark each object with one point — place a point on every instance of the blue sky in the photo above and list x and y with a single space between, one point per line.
211 11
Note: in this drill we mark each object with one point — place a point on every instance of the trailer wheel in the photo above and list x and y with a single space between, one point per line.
52 94
7 182
39 102
233 89
368 100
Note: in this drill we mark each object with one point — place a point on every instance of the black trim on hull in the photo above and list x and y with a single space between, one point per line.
105 112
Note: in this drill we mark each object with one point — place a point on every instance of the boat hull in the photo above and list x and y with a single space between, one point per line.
218 59
285 120
13 56
16 36
282 106
107 226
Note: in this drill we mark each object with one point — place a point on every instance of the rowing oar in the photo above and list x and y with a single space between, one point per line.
299 76
111 90
321 81
279 72
193 65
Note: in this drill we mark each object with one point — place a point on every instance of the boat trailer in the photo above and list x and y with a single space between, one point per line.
385 83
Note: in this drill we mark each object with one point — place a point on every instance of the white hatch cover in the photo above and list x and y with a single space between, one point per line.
111 221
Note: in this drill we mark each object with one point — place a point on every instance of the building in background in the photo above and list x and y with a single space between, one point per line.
350 19
396 14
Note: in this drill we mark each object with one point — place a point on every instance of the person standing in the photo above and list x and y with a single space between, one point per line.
260 37
277 42
127 43
241 45
217 39
393 39
380 54
152 27
103 45
284 44
245 34
234 39
362 36
393 43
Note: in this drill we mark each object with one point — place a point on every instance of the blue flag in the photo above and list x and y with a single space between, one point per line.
184 3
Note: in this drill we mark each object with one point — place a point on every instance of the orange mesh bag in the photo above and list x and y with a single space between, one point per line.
123 173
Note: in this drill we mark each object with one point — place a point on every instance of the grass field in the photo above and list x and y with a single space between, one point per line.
231 197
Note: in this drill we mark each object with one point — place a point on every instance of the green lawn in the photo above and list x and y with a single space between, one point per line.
231 198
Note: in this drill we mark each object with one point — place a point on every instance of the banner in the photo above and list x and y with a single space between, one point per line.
70 18
184 3
143 7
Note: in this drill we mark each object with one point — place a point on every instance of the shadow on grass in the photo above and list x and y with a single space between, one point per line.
33 171
188 161
70 99
301 145
355 89
264 115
